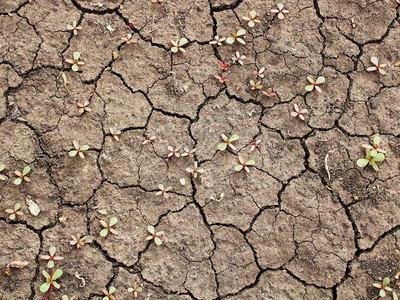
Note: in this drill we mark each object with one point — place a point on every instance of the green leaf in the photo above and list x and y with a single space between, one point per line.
238 168
309 88
382 71
183 41
150 229
253 14
56 285
111 290
158 241
250 162
104 232
320 80
379 157
394 296
72 153
377 140
139 289
57 274
75 67
382 293
230 40
26 170
84 148
76 55
174 49
222 146
2 177
50 264
385 281
64 297
374 60
2 167
241 31
12 216
44 287
52 250
18 181
362 162
17 206
373 152
234 137
45 274
113 221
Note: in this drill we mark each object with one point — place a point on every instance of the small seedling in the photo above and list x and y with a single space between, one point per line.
128 40
378 67
83 107
223 66
65 297
269 93
75 61
135 290
371 160
238 58
259 73
22 176
255 86
353 23
108 294
2 177
383 288
50 281
217 40
252 19
280 11
78 150
187 152
177 45
77 240
163 191
51 258
375 148
148 140
221 79
13 213
297 112
244 165
154 236
228 142
108 227
254 145
195 170
314 84
115 133
237 37
74 28
173 151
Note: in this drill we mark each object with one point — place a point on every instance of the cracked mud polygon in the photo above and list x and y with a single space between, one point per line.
305 223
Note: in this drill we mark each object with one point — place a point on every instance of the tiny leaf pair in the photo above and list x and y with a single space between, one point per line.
228 142
255 86
378 67
195 170
177 45
280 11
13 213
135 290
163 191
297 112
237 37
375 148
109 294
238 58
77 240
314 84
115 133
217 40
383 287
252 21
22 176
83 107
78 150
75 61
74 28
244 165
51 258
108 227
154 236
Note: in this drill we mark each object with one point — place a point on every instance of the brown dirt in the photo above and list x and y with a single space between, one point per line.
286 230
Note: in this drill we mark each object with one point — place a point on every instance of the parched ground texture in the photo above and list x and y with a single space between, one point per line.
287 230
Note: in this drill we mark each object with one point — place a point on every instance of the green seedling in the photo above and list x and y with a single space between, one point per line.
177 45
314 84
108 227
255 86
244 165
77 240
254 145
13 213
371 160
65 297
128 40
115 133
187 152
75 61
83 107
135 290
148 140
2 177
252 21
50 281
195 170
228 142
51 258
174 151
78 150
375 148
238 58
154 236
74 28
108 294
22 176
259 73
280 11
163 191
298 112
237 37
383 288
378 67
217 40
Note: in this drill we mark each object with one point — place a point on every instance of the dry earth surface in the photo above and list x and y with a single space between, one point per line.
286 230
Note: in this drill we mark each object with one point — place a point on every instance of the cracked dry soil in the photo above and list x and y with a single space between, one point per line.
286 230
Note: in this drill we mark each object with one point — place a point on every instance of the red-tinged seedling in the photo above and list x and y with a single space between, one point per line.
83 107
51 258
378 67
244 165
148 140
78 150
314 84
174 152
259 73
77 240
128 39
115 133
217 40
195 170
255 86
2 177
177 45
75 61
252 19
237 37
22 176
108 227
92 90
163 191
223 66
238 58
221 79
297 112
50 281
228 142
398 2
136 289
371 160
13 213
109 294
383 287
353 23
154 236
74 28
187 152
254 145
375 148
269 93
280 11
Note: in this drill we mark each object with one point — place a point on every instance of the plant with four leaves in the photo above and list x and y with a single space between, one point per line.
237 37
221 79
163 191
51 258
297 112
252 21
75 61
115 133
22 176
148 140
13 213
154 235
238 58
128 40
195 170
177 45
174 152
2 177
109 294
83 107
50 281
280 11
217 40
259 73
135 289
371 159
244 165
378 67
108 227
254 145
74 28
375 148
223 66
383 287
78 150
255 86
77 240
187 152
314 84
228 142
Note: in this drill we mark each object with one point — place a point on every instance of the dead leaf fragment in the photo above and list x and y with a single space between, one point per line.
18 264
33 207
102 211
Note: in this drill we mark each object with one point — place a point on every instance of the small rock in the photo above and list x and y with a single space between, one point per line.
374 104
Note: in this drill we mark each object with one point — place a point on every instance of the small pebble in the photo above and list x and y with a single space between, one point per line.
374 104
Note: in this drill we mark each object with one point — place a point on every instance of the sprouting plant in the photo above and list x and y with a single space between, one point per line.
128 40
2 177
74 28
13 213
136 289
280 11
22 176
83 107
221 79
237 37
195 170
187 152
244 165
77 240
177 45
252 19
314 84
223 66
238 58
173 151
375 148
78 150
50 281
378 67
269 93
259 73
371 159
163 191
108 227
217 40
148 140
75 61
65 297
297 112
255 86
154 236
108 294
115 133
383 288
228 142
51 258
254 145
